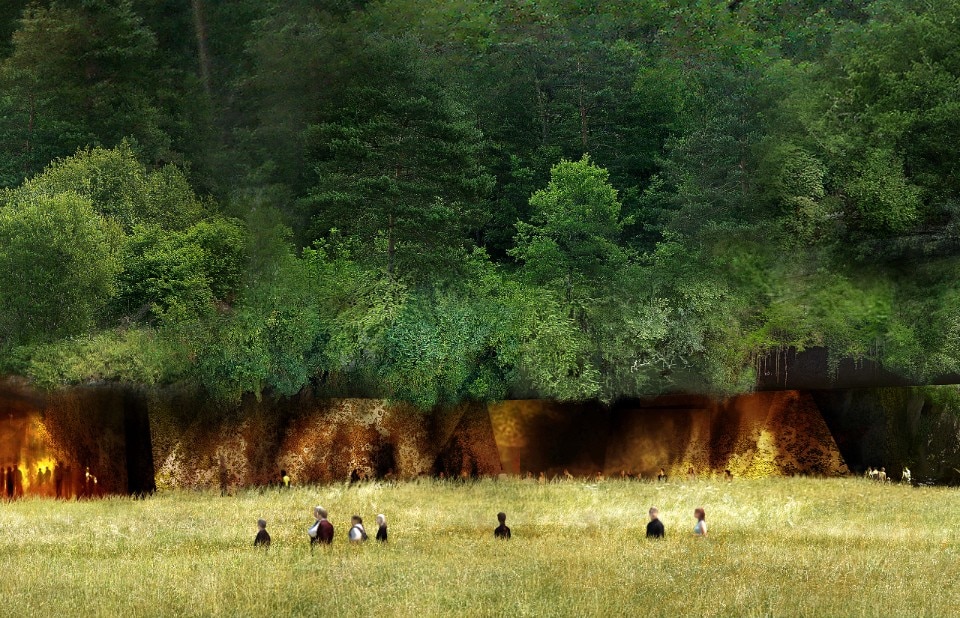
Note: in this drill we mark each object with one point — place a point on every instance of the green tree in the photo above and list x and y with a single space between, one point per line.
79 75
398 164
58 263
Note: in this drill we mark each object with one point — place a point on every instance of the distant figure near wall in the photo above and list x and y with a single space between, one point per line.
58 478
17 482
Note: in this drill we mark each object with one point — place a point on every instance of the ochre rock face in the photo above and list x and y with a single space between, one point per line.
321 440
762 434
180 439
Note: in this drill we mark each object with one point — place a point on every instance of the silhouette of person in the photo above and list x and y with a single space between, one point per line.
224 478
502 531
17 482
285 479
58 478
263 538
10 482
662 476
69 483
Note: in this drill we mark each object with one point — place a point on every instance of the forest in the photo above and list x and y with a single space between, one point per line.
463 199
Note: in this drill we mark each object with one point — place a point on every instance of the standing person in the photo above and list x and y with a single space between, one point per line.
655 526
17 482
284 479
905 478
224 477
701 528
322 530
263 537
502 531
11 481
381 528
58 478
356 534
662 477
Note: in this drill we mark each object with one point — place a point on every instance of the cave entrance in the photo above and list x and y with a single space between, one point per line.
27 458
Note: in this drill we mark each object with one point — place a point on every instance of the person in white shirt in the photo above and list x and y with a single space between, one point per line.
357 534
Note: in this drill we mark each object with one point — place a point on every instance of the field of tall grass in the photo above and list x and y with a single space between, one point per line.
782 547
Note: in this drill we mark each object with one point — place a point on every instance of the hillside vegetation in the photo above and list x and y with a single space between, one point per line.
459 199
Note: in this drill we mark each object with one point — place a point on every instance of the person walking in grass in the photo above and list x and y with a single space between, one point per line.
700 529
322 529
357 534
381 528
263 537
502 531
655 526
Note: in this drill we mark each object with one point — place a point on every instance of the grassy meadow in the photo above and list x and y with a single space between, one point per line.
782 547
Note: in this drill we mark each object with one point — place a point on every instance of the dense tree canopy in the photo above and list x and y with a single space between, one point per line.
466 199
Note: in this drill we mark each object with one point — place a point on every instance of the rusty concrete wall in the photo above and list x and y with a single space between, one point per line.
761 434
316 440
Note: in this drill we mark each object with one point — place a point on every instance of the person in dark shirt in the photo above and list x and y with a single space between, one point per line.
655 527
662 477
381 528
322 531
58 478
263 537
502 531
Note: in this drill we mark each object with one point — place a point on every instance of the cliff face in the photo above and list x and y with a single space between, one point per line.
762 434
134 441
320 440
894 428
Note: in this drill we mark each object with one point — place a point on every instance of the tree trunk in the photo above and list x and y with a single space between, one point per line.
583 109
542 110
200 30
390 247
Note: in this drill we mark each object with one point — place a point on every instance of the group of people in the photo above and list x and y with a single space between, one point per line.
60 482
321 532
880 475
655 528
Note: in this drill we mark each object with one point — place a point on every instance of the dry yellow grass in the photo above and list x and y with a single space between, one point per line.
781 547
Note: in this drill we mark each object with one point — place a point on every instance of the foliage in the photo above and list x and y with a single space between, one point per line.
476 200
58 261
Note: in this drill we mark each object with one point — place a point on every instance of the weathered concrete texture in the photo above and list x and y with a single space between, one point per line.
893 428
763 434
318 440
